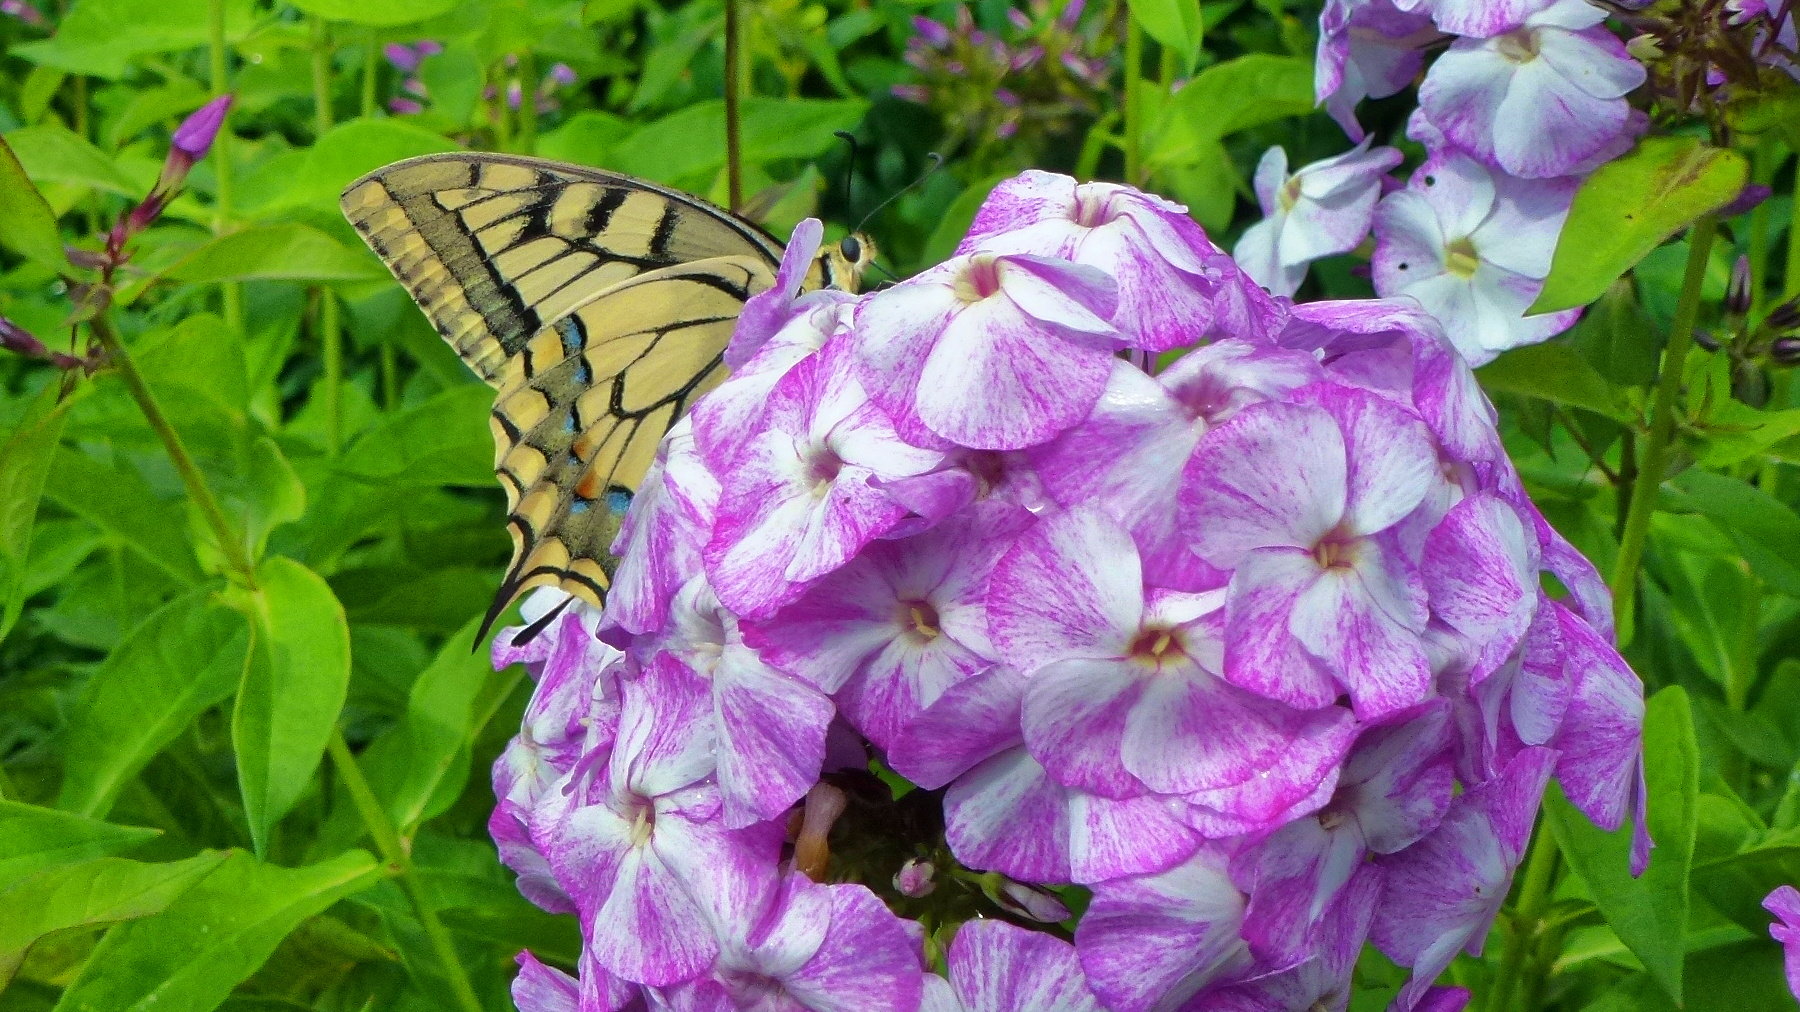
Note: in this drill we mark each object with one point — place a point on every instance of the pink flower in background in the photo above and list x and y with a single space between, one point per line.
1367 49
1321 210
1473 247
1784 903
1537 100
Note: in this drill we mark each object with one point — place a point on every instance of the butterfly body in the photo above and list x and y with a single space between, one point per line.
599 307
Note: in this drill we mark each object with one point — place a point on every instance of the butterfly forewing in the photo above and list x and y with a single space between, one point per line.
598 305
495 248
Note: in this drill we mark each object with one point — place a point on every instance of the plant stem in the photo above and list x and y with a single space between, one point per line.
1134 99
231 293
528 124
734 167
321 77
331 342
1792 287
1527 918
371 64
1662 428
394 852
235 554
1767 157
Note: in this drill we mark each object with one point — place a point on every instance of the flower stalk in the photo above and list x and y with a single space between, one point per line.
394 852
1662 429
233 549
231 294
734 83
1527 920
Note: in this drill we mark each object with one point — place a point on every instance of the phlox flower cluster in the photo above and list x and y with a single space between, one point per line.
1525 99
1252 647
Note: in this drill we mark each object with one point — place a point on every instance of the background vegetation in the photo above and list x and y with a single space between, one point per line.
243 741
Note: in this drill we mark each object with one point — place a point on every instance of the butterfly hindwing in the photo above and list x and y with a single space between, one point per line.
494 248
582 407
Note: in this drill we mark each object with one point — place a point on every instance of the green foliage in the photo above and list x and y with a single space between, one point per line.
222 690
1630 206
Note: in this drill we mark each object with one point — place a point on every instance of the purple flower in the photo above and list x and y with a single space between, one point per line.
808 948
994 966
1174 286
1316 983
989 352
1367 49
933 33
1152 941
1481 19
1120 456
1473 247
404 57
1601 765
405 106
540 988
661 537
1784 903
1004 812
1323 209
1124 695
769 727
800 500
643 841
1539 99
1455 879
905 620
1297 499
1394 789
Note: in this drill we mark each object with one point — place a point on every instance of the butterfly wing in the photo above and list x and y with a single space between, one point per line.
495 248
583 406
598 305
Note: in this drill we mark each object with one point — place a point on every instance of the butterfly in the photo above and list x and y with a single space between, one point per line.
597 305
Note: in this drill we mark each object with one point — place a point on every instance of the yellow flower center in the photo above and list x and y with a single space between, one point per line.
1461 259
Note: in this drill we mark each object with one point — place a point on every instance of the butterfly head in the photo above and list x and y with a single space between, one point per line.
841 264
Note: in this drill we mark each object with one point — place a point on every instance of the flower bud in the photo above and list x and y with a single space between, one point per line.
1749 384
194 137
1023 900
1784 317
812 852
1705 340
1747 198
931 31
1785 351
1737 294
24 12
404 57
914 878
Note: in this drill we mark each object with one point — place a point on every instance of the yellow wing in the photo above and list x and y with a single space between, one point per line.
599 305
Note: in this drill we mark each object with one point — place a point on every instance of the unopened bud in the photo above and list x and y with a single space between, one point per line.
24 12
1748 197
1784 317
1023 899
1705 340
194 137
1749 384
812 851
1737 294
1785 351
1644 48
404 57
914 878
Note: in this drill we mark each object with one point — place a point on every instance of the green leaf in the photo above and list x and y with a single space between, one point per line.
1764 528
52 153
33 838
123 506
351 150
956 220
425 755
1554 371
1649 913
149 106
27 225
376 12
101 36
1629 206
25 460
91 894
1228 97
276 253
185 658
1617 338
188 958
1744 976
444 441
691 143
1175 24
295 679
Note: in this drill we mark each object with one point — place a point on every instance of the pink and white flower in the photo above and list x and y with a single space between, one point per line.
1323 209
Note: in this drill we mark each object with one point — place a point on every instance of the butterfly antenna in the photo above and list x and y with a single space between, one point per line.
850 167
937 162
